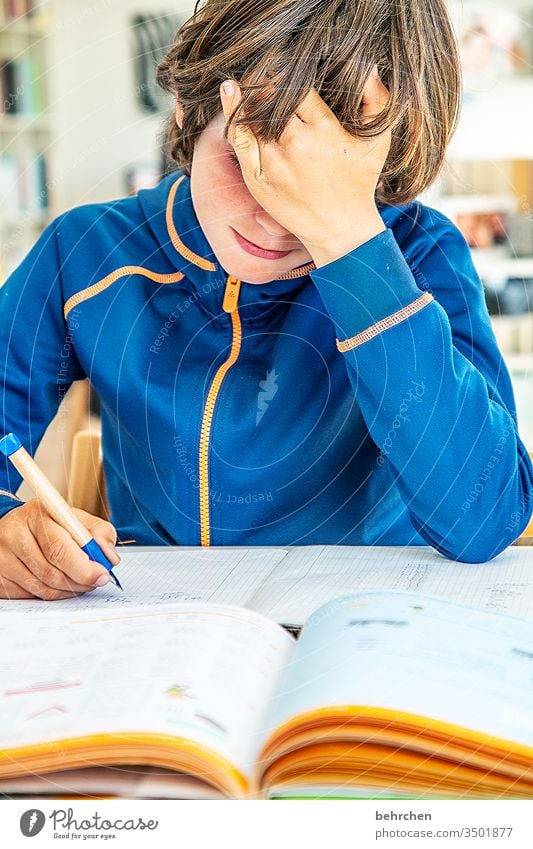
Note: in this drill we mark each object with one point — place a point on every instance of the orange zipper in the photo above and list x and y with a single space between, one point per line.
229 304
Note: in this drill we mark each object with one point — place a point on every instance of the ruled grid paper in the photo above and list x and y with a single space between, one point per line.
289 584
310 576
162 575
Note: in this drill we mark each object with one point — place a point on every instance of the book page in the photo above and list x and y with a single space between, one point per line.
202 672
127 781
161 575
417 654
308 577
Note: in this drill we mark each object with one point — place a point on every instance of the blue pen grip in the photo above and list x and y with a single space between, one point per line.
94 552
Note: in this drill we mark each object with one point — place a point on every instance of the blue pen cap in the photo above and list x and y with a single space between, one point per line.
9 444
93 550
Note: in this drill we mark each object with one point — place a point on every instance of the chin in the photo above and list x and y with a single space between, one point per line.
258 279
259 276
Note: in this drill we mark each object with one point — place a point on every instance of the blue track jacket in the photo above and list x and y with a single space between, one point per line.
361 403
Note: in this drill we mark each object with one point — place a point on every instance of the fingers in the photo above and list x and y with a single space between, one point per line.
10 590
313 109
375 96
60 551
103 532
38 569
38 558
241 137
21 583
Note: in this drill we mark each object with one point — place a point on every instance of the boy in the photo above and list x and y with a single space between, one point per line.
288 348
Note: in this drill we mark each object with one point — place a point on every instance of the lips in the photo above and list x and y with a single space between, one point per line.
256 250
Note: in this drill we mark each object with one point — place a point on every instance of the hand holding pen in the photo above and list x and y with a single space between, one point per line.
48 549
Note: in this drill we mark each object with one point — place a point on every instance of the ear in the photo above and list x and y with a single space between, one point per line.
179 113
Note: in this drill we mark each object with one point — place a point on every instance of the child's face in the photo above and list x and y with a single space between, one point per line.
227 211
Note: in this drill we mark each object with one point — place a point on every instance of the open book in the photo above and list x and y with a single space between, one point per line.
384 694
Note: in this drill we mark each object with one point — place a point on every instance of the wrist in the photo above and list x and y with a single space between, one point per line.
367 226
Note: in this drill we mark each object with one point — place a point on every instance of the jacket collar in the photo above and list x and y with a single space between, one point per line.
169 211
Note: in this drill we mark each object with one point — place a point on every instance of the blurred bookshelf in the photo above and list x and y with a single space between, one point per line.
486 186
25 131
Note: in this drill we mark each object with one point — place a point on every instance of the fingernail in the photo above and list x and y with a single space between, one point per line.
102 581
111 554
228 89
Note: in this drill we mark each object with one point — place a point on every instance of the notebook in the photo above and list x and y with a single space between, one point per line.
288 584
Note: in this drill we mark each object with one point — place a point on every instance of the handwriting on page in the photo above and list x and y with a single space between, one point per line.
172 574
307 578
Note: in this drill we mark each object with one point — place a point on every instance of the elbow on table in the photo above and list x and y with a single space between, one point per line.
484 526
481 551
484 542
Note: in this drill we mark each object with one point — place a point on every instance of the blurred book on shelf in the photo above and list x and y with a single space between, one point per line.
495 41
512 294
152 35
23 186
12 9
21 85
483 229
24 205
500 236
492 205
514 333
25 128
142 175
514 336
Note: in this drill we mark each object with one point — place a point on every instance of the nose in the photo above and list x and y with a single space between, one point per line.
270 225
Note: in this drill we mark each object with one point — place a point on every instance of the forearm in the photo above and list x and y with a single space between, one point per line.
438 424
452 450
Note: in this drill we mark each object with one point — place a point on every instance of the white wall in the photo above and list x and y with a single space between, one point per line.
98 128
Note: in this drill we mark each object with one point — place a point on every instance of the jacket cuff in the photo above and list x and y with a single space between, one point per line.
8 502
369 289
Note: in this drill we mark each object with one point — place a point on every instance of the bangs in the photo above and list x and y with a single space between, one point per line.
277 51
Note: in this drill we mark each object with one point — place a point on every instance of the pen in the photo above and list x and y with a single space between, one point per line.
56 506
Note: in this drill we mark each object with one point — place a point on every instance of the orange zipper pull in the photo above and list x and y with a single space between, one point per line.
231 294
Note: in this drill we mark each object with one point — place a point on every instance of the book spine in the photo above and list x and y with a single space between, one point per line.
3 91
21 86
36 85
23 185
11 102
11 10
9 188
42 182
25 86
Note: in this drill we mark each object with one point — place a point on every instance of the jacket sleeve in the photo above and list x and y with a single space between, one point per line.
37 358
432 386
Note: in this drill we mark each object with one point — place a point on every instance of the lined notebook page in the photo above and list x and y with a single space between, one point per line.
161 575
288 584
310 576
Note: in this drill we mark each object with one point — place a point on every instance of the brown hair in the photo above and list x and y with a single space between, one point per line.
331 45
